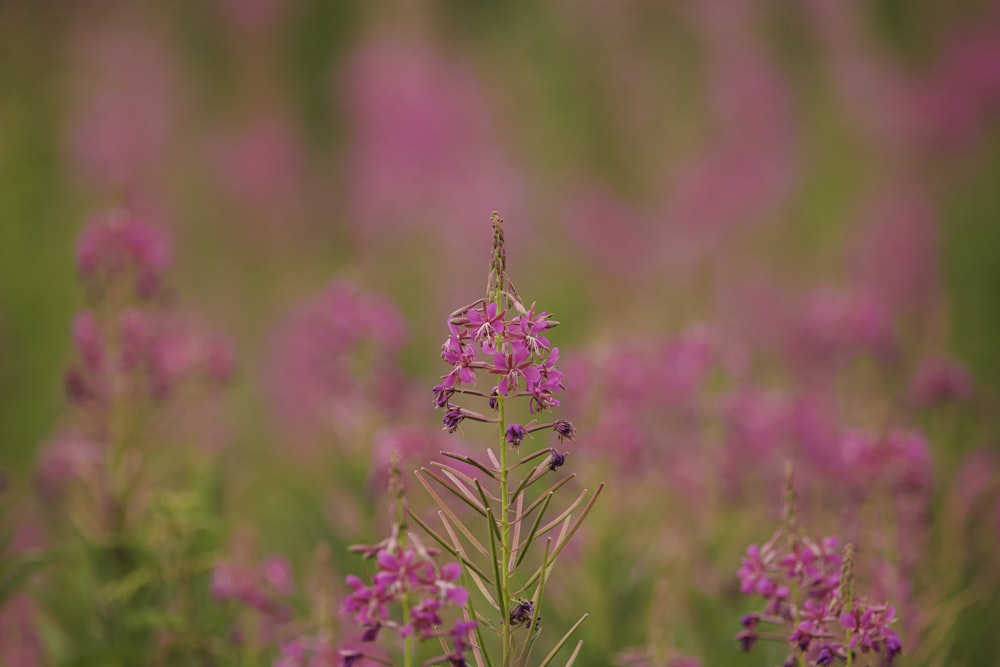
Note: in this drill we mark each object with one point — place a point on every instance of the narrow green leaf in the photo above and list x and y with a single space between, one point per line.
530 457
471 461
468 479
536 474
562 642
477 575
515 541
460 554
462 493
496 567
534 530
537 602
538 501
569 510
576 652
451 515
565 537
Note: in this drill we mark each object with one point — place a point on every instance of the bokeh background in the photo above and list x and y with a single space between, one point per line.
769 231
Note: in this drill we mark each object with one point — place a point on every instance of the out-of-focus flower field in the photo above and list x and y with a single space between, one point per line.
233 236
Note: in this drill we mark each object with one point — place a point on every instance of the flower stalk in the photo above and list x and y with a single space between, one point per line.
499 337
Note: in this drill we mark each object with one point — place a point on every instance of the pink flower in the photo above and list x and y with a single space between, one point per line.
123 247
512 365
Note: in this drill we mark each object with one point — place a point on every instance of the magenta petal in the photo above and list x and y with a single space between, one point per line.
457 595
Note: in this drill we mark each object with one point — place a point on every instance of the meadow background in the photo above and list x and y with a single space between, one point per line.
769 231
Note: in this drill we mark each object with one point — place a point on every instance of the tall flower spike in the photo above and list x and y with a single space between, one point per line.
498 335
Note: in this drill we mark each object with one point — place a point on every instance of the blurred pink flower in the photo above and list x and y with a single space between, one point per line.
334 364
262 168
748 170
123 246
412 445
424 147
840 323
894 251
67 460
255 16
975 483
613 234
898 461
940 381
20 643
127 101
960 96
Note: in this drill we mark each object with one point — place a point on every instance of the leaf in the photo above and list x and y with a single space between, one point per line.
462 492
477 575
565 537
516 538
493 458
538 501
534 529
555 522
576 652
536 474
537 601
471 461
459 553
451 515
530 457
555 649
496 569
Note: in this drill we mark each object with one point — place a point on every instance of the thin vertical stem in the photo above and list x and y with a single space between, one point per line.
504 541
396 488
495 292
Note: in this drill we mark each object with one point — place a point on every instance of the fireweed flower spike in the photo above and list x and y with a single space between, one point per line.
499 335
409 580
809 594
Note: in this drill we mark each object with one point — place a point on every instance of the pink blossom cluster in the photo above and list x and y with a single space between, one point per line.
515 353
155 353
334 363
413 112
410 577
121 257
938 381
131 350
122 247
808 597
262 586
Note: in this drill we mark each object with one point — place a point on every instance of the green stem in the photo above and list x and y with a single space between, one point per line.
507 653
396 487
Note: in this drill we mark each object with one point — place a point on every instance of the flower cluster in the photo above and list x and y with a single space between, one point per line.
808 591
121 247
334 364
510 347
314 652
264 587
408 576
123 344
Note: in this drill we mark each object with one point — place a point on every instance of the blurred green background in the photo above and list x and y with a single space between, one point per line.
658 164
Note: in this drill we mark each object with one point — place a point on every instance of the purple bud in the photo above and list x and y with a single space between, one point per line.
371 632
453 418
557 459
351 657
564 430
442 395
515 435
746 640
826 655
